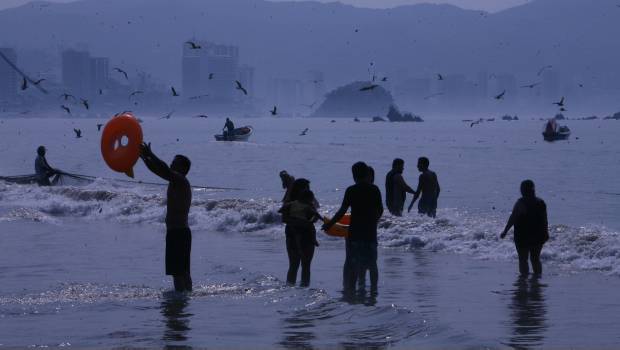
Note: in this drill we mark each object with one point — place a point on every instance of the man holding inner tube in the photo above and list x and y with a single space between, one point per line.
179 199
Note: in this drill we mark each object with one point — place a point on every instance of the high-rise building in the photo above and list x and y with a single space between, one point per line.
100 72
8 76
212 69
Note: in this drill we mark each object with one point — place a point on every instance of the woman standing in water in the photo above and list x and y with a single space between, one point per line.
299 242
529 218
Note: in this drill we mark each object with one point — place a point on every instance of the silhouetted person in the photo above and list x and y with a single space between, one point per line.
529 218
229 134
42 169
178 202
396 188
287 184
371 267
364 199
299 187
301 216
428 189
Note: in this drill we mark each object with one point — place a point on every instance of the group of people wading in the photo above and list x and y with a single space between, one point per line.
300 213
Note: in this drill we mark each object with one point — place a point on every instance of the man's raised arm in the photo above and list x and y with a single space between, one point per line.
155 165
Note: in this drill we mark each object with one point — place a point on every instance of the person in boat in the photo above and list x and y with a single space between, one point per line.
298 250
531 228
428 190
229 132
366 205
178 202
42 169
301 216
396 188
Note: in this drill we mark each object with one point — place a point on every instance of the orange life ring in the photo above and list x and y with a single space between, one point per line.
121 156
346 220
338 230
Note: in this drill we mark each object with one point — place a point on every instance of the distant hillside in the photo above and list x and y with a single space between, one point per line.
287 38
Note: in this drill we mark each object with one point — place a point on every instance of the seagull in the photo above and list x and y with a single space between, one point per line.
135 93
100 92
167 116
122 72
67 109
310 105
384 79
174 92
78 133
561 103
303 133
240 87
24 84
99 127
543 69
193 45
439 76
274 111
210 76
85 103
580 85
500 96
201 116
531 86
66 96
433 95
37 82
476 123
369 87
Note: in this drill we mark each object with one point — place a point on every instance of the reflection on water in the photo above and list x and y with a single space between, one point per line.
176 319
528 313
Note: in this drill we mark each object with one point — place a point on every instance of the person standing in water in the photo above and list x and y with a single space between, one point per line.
364 199
229 134
529 218
428 189
396 188
369 265
42 169
179 199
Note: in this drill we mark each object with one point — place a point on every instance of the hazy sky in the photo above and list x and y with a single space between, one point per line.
489 5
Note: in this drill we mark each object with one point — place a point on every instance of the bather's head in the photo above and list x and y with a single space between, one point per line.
181 164
528 189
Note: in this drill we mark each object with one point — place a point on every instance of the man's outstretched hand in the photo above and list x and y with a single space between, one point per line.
145 150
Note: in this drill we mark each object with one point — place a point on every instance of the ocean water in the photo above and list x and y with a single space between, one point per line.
83 264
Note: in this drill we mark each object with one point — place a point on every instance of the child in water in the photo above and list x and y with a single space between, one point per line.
301 217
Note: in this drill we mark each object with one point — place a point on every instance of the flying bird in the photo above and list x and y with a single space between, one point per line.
85 103
122 72
303 133
24 84
310 105
100 92
540 71
274 111
67 109
78 133
174 92
99 127
210 76
66 96
369 87
439 76
37 82
531 86
476 123
201 116
561 103
240 87
193 45
500 96
384 79
167 116
135 93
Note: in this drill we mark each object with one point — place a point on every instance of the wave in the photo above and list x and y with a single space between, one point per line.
589 247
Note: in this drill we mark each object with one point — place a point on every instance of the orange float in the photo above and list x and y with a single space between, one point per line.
339 229
120 143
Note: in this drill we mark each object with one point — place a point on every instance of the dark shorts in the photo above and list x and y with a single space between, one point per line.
428 207
178 250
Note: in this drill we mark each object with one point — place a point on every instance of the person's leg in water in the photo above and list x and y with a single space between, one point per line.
307 253
523 252
182 283
373 269
535 259
349 273
294 258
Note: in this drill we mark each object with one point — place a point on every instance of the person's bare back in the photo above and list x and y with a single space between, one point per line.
179 200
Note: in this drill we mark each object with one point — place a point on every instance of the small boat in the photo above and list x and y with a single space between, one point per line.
239 134
554 132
